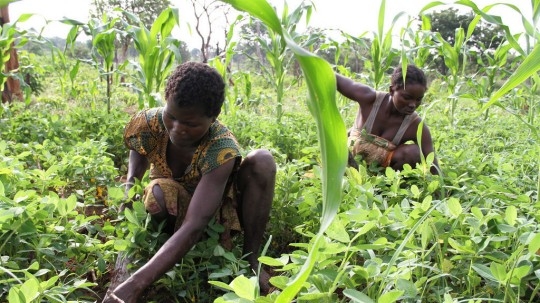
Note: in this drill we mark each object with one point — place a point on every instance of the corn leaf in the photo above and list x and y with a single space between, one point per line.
528 67
321 83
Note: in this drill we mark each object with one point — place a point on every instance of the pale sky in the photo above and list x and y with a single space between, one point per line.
352 16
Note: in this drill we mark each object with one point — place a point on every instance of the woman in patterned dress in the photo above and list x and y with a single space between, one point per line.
197 173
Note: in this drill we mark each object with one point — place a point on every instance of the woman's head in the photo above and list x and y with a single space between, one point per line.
407 94
414 75
196 84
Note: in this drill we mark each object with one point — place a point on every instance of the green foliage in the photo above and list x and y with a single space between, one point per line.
45 192
31 72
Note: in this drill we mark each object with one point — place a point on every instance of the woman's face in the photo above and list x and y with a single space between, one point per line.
407 99
186 125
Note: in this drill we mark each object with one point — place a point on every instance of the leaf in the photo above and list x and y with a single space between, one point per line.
71 21
511 215
426 203
415 191
460 248
16 296
259 9
121 244
390 297
477 212
407 287
498 271
426 235
357 296
221 285
115 193
337 231
534 245
130 216
74 71
4 3
276 262
527 68
49 283
365 228
243 287
65 206
519 273
30 289
484 271
23 17
455 207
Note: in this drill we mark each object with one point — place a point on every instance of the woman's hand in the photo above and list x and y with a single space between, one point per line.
124 293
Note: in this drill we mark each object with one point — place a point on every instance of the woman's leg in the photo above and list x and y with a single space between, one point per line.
405 153
166 199
256 181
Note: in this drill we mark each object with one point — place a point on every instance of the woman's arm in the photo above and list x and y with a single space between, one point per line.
137 166
202 208
427 148
356 91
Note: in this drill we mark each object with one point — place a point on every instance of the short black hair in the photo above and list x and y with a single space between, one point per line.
414 76
196 84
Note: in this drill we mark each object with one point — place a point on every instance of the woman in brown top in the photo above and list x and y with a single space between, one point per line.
385 122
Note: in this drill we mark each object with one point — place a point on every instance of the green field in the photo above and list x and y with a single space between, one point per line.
368 235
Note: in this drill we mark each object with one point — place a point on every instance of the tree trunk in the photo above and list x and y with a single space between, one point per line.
12 87
123 56
257 47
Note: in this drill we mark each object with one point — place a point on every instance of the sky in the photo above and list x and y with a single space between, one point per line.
352 16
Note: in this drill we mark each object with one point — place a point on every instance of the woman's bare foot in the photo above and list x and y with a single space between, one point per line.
264 283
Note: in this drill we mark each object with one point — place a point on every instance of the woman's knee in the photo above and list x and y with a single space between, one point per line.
405 154
154 201
260 162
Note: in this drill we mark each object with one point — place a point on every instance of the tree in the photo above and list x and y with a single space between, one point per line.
206 14
248 45
10 86
485 35
146 10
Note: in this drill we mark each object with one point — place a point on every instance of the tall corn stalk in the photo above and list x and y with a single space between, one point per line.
418 44
277 55
321 84
382 52
454 57
158 52
103 35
